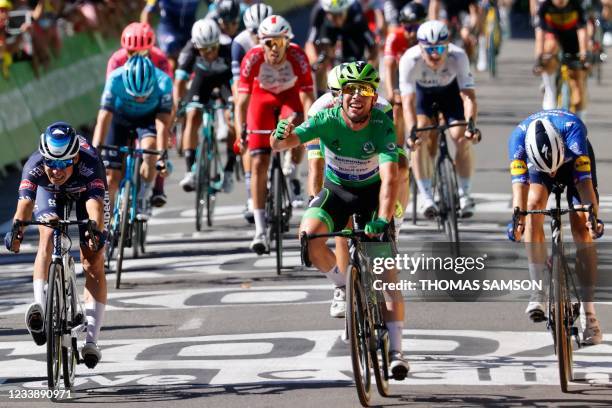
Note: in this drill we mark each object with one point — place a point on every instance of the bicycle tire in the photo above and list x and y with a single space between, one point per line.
358 333
278 217
492 53
144 229
449 199
214 177
124 231
201 183
137 187
562 332
53 326
69 357
380 360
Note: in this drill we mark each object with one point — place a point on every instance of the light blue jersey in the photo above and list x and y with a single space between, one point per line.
116 99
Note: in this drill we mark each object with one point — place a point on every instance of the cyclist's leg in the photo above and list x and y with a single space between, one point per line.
113 161
261 121
193 121
95 291
48 206
421 158
147 135
551 64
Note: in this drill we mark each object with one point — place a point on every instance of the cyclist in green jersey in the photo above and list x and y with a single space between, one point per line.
361 179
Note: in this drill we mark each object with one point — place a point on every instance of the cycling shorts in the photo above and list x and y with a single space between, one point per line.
448 99
568 41
171 39
51 205
261 115
565 176
121 133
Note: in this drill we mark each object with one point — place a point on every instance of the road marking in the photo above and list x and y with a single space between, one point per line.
192 324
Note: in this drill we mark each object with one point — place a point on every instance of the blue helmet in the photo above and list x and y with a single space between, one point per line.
139 76
59 142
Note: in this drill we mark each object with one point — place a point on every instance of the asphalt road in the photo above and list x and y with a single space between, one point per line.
201 321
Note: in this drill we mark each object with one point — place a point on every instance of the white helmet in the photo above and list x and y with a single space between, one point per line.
332 78
275 26
255 14
544 146
335 6
205 33
433 33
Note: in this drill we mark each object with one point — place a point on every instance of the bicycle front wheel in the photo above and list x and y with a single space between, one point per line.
202 183
449 203
69 356
277 222
380 360
562 326
53 326
358 333
215 173
124 230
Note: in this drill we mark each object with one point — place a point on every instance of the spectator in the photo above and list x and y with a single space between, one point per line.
13 47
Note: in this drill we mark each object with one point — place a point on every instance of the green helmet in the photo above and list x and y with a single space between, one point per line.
333 78
359 71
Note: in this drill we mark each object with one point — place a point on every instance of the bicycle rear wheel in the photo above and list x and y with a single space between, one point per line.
69 357
53 326
562 326
278 217
124 230
358 332
202 182
492 52
449 203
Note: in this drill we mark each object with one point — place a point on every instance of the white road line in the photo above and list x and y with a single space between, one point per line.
192 324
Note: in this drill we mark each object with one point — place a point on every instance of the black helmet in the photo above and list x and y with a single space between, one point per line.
228 10
412 13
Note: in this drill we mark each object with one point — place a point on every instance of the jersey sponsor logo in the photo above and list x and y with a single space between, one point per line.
96 184
562 21
368 148
36 171
84 170
83 143
583 164
27 185
300 59
518 167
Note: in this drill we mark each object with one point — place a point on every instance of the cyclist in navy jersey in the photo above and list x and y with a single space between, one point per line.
65 168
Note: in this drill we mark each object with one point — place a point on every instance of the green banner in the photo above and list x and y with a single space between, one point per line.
69 90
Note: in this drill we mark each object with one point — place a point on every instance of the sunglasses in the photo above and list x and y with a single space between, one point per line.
412 28
360 89
435 49
209 49
279 42
58 164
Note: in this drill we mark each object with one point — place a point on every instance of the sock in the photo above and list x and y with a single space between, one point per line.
425 187
247 182
260 221
395 334
145 189
189 158
536 272
464 185
158 188
550 91
94 312
482 53
398 226
39 292
337 278
231 161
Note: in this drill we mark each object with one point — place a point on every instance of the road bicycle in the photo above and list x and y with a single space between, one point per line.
366 330
564 298
444 182
64 311
208 168
128 226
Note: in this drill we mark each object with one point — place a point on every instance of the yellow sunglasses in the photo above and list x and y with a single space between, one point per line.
360 89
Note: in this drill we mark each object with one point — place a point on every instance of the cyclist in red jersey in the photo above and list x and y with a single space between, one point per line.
275 76
139 38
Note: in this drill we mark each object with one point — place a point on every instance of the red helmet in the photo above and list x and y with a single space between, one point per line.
137 37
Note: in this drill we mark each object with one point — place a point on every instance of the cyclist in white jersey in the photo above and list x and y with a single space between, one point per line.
435 71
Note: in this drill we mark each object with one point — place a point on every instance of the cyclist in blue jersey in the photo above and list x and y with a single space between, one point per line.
546 148
65 168
136 104
174 29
